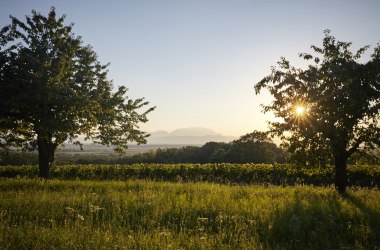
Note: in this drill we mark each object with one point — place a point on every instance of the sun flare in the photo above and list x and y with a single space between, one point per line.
300 110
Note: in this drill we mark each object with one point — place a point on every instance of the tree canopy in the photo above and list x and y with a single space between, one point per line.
255 147
53 89
339 100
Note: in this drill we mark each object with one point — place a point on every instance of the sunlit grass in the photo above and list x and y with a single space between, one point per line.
157 215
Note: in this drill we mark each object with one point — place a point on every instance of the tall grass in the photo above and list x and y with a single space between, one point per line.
158 215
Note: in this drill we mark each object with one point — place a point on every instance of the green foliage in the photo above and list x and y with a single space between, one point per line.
18 158
255 147
341 99
53 89
258 174
55 214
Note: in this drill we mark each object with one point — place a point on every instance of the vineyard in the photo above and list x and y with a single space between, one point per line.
253 174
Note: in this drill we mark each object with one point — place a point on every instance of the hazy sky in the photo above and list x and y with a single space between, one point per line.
198 60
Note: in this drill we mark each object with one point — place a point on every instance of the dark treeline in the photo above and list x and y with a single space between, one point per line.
255 147
213 152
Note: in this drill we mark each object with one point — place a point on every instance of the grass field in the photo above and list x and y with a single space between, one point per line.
72 214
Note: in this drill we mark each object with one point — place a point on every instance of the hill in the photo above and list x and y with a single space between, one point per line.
188 136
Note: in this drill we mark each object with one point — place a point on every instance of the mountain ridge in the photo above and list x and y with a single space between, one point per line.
188 136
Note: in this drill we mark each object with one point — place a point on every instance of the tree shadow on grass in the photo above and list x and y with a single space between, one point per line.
370 217
322 220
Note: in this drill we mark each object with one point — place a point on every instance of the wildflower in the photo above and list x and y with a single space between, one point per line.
69 209
80 217
95 209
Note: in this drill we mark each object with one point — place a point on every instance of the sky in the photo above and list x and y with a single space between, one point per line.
197 61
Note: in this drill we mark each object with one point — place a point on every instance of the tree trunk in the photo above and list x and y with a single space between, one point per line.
46 150
340 173
339 150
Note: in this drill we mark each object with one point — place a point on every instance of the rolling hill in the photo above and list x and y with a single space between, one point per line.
188 136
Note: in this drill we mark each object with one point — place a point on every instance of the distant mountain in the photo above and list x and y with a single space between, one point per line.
194 131
160 133
188 136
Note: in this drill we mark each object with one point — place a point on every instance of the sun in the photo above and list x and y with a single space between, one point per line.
300 110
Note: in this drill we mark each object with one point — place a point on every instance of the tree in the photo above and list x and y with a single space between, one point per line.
311 153
255 147
333 103
53 89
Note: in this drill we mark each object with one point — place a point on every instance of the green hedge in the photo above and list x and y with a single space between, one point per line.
275 174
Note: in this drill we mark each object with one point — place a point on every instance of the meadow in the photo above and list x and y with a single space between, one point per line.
188 206
140 214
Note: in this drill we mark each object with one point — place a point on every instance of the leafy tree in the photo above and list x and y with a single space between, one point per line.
218 155
53 89
255 147
333 103
311 153
212 152
363 157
